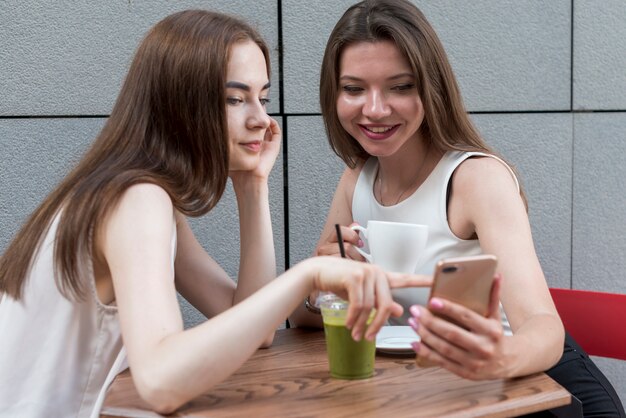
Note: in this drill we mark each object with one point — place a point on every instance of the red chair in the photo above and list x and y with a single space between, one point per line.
596 320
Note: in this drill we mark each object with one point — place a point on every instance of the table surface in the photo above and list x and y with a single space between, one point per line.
291 379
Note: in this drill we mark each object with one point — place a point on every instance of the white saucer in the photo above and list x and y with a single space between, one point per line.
396 339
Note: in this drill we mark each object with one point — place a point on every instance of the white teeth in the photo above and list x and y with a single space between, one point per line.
379 130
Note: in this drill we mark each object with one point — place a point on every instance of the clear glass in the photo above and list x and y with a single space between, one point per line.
348 359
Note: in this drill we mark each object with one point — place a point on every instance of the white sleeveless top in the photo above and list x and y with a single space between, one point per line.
57 357
426 206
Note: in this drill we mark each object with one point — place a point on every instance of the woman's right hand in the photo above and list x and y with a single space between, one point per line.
365 286
351 240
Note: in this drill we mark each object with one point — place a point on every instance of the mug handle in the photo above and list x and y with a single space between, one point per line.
359 228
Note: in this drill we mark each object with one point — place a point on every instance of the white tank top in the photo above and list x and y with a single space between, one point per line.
57 357
426 206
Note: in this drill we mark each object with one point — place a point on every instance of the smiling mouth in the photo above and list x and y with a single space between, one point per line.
379 129
379 132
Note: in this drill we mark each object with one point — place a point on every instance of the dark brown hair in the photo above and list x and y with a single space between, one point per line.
446 123
168 127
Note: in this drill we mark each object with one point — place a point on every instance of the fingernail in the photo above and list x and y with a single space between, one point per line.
413 324
356 337
416 346
436 303
360 243
415 310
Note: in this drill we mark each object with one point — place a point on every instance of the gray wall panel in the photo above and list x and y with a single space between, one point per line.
36 155
599 243
507 55
599 54
314 171
306 27
540 147
69 58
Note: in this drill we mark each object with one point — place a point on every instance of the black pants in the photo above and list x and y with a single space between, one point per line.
577 373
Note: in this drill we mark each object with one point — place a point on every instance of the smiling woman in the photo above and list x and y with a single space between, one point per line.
393 112
92 276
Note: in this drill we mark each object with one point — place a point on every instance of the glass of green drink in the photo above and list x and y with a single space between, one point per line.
348 359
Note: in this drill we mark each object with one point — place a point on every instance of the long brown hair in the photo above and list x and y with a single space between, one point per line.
446 124
168 127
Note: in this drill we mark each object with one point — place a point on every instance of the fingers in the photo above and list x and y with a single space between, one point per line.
352 253
351 236
350 241
363 310
445 338
385 306
366 287
328 249
355 299
273 131
397 280
465 317
466 353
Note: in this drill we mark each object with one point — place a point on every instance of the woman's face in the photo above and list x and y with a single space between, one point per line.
247 89
378 102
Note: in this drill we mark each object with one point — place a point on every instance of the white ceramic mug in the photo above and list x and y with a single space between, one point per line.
394 246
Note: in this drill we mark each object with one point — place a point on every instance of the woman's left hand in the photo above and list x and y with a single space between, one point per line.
474 350
269 153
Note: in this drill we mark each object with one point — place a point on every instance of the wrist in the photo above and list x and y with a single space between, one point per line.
251 187
307 271
247 179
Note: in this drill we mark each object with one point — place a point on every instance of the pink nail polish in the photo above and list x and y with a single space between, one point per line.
436 303
415 310
360 244
413 323
416 346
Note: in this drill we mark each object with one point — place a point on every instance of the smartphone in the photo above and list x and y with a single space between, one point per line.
466 281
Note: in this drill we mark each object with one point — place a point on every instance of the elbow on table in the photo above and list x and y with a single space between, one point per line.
267 342
157 393
558 347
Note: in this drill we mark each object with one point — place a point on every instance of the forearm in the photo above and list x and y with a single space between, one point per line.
257 265
534 347
214 350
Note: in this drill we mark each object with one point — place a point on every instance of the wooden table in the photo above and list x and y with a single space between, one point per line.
291 379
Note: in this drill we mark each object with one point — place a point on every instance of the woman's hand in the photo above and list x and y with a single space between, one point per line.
474 350
351 240
365 286
269 153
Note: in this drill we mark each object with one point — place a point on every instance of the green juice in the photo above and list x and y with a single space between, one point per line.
348 359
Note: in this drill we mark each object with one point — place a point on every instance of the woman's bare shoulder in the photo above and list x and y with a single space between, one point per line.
478 174
143 203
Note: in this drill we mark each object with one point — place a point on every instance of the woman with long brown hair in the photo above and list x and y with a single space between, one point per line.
92 275
393 112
